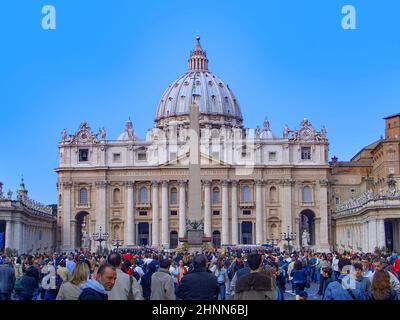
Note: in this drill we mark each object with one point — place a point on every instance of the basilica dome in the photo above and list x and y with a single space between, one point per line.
216 101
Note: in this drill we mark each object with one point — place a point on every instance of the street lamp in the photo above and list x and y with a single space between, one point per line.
273 242
289 236
100 237
118 243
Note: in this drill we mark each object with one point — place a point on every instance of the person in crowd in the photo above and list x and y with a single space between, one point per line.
18 268
63 271
198 284
219 270
145 281
51 283
381 288
72 289
70 264
299 275
236 264
255 285
303 295
162 284
97 289
378 265
367 267
365 282
174 271
344 287
126 287
280 280
28 285
7 279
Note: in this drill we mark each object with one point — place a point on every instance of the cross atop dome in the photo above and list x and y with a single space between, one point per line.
198 58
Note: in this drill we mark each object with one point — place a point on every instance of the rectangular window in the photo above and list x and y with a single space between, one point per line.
215 212
117 157
142 213
142 156
83 155
337 200
174 213
272 156
305 153
247 212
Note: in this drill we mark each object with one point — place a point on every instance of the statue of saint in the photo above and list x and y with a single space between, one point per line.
258 132
305 238
85 239
103 133
286 132
64 135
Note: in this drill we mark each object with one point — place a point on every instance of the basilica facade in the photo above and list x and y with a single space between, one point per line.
255 184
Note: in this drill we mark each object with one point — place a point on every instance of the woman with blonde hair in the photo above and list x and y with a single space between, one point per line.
72 289
381 288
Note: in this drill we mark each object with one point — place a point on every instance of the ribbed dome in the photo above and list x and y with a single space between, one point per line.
216 101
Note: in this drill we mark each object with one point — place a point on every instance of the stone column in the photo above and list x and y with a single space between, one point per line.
74 243
66 223
9 234
101 207
372 236
225 214
287 206
130 218
234 222
380 232
259 213
155 224
164 215
207 209
182 209
323 209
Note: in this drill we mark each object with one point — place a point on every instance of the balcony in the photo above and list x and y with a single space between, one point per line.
83 206
246 204
143 206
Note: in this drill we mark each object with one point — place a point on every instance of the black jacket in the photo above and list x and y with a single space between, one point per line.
29 285
91 294
198 285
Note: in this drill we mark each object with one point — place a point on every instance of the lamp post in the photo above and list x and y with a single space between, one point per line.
288 236
117 243
100 237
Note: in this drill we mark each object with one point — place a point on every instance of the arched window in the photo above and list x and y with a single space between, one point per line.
143 195
246 194
273 194
83 196
60 200
117 196
215 195
216 239
174 196
307 197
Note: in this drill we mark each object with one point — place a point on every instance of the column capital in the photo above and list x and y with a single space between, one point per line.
235 183
101 184
287 182
165 183
67 185
324 182
182 183
155 183
206 183
259 182
129 184
225 183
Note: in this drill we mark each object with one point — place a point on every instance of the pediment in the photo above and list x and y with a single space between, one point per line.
205 160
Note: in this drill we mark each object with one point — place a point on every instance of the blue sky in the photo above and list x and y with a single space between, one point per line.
108 60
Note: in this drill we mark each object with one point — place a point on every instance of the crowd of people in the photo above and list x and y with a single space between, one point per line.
234 274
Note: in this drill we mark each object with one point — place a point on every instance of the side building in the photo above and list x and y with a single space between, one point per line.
364 199
26 225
